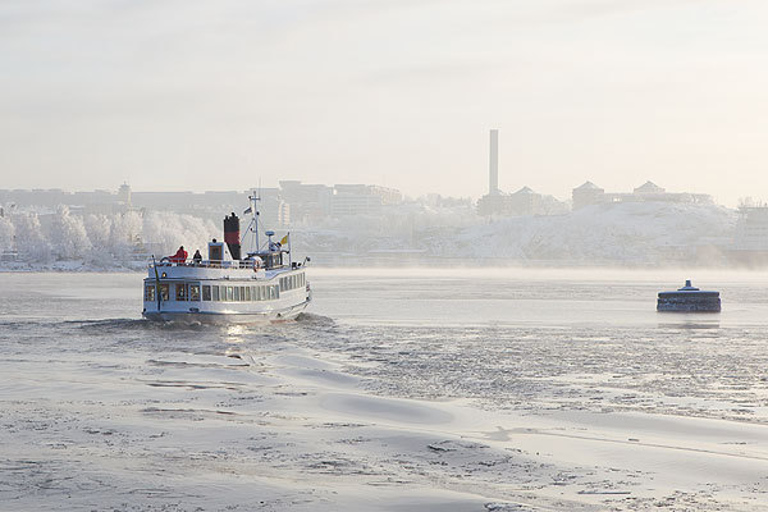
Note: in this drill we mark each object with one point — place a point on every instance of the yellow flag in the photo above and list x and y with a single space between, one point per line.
284 240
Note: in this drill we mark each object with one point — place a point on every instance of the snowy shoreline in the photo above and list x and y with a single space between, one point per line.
635 235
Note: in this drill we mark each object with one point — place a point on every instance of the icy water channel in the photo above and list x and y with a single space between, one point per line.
415 390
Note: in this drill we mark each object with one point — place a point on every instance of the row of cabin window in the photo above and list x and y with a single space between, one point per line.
191 292
291 282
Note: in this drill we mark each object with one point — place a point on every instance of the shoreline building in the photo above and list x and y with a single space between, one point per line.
310 202
589 194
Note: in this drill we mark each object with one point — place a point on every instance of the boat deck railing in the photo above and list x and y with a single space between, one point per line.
227 264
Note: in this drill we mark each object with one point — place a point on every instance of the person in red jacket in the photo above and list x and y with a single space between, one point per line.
180 256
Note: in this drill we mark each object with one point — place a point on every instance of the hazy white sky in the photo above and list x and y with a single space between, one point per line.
204 95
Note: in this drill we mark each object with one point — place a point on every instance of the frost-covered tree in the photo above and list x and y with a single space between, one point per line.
98 228
69 240
7 233
125 229
170 230
30 241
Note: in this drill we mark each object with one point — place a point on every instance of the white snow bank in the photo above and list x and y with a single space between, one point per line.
633 233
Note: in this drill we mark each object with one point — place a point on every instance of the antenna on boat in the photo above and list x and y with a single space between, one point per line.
253 227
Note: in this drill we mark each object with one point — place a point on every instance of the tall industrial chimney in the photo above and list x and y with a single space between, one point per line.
493 186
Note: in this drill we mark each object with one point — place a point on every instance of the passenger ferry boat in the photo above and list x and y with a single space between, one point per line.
264 286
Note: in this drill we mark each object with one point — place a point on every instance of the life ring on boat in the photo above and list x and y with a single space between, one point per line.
256 264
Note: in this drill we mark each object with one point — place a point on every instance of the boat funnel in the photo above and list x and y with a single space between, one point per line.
232 235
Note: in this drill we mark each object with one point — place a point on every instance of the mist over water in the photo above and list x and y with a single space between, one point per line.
409 385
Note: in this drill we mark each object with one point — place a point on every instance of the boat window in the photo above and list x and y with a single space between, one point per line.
149 293
215 290
194 292
237 294
230 293
181 291
206 292
259 293
164 292
247 291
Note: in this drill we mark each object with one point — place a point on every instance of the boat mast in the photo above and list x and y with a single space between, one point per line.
253 227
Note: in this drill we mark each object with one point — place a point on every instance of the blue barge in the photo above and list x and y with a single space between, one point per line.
689 299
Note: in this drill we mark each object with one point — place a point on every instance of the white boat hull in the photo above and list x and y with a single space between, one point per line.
227 318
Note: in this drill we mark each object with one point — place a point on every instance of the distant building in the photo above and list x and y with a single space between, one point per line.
275 211
362 199
649 189
311 202
306 201
124 195
590 194
523 202
587 194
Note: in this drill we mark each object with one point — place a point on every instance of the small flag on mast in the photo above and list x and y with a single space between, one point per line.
284 239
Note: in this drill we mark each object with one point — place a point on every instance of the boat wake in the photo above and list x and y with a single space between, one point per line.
113 325
133 324
314 319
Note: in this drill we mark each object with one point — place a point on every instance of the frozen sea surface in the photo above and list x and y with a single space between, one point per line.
414 390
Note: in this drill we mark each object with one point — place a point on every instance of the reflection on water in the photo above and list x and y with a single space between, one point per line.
235 334
690 324
691 321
